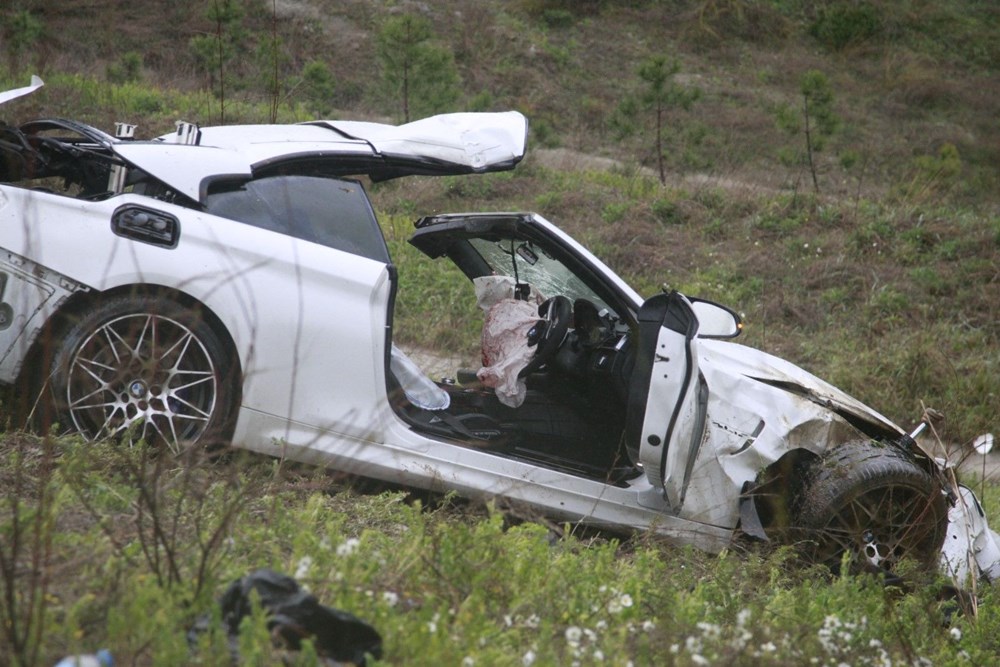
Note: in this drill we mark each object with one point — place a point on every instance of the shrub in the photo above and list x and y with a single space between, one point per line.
421 72
127 70
667 211
844 24
614 212
717 21
932 176
22 31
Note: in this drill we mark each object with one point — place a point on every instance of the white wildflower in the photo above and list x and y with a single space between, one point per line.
956 634
390 598
573 635
831 626
348 547
303 567
528 658
468 661
710 630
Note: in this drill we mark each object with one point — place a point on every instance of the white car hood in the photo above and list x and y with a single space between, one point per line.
751 363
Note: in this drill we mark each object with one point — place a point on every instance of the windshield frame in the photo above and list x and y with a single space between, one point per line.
450 235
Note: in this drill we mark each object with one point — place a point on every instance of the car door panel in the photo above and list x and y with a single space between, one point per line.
664 414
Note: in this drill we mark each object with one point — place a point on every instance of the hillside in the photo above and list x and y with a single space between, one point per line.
883 277
907 78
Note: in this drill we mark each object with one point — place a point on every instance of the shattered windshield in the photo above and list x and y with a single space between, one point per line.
527 262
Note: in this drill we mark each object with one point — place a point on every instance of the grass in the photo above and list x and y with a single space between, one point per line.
443 581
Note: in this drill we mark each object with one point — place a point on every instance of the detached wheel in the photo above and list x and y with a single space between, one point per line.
147 368
874 502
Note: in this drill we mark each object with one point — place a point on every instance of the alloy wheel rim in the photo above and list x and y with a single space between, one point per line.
882 527
145 376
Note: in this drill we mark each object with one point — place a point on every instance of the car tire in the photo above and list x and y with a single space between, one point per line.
875 502
145 367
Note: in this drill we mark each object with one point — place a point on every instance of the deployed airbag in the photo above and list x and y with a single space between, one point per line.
505 336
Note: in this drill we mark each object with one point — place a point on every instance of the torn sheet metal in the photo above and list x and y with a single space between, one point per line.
36 83
971 549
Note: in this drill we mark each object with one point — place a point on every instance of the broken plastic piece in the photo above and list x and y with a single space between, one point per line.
419 389
100 659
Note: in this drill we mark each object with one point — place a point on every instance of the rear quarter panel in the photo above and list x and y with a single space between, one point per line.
307 321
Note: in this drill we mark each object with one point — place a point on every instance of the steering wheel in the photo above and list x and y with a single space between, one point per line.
549 333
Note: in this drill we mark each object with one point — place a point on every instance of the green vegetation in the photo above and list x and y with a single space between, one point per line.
421 73
129 549
841 24
885 284
660 94
815 119
216 50
319 86
23 30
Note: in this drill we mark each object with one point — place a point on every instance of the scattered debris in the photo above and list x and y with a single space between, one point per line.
294 615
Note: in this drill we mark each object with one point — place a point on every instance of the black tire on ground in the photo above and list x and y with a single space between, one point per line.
875 502
145 367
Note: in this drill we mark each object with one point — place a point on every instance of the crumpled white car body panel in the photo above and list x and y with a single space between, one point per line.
470 142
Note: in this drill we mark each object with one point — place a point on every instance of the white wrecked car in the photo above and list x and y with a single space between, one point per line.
232 283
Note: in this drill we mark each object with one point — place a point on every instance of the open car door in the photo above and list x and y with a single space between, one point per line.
665 414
